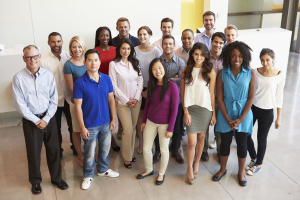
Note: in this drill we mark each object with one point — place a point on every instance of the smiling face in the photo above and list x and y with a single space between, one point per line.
187 39
217 44
92 62
76 49
267 61
236 58
168 46
166 28
125 50
158 71
104 37
31 58
209 22
198 56
123 28
144 36
55 43
231 35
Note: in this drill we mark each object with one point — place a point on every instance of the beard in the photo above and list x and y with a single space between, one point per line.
56 51
211 27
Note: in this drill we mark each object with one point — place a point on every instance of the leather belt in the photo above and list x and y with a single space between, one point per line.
41 115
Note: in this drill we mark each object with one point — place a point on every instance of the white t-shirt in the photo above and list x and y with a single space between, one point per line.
269 91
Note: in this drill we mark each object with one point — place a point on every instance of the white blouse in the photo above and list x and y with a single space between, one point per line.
197 93
269 91
128 85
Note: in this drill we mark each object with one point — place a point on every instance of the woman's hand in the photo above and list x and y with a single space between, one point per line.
169 134
231 124
143 127
187 119
144 94
236 123
277 123
213 120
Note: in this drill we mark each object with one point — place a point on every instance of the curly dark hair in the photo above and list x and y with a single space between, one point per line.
131 57
242 47
206 68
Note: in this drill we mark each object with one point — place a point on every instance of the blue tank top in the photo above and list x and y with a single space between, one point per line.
235 96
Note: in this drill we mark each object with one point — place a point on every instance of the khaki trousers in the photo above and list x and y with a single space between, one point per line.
150 132
128 117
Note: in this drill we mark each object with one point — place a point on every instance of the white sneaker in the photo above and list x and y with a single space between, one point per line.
251 164
109 173
86 183
213 144
253 170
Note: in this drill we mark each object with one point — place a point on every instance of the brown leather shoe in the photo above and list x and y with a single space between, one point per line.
156 156
204 157
177 157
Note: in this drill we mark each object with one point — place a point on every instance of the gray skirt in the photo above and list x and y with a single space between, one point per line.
201 118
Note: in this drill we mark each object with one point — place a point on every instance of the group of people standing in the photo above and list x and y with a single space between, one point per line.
155 89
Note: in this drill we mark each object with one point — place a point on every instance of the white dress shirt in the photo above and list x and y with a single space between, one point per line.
158 44
128 85
50 61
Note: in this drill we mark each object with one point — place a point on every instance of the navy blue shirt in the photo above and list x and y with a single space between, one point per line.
135 41
94 97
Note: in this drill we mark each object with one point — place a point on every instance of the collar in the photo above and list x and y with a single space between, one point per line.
204 32
51 54
212 56
122 63
87 77
119 36
38 73
183 51
173 59
227 69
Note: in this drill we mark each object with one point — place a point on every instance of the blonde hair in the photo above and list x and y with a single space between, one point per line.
80 41
230 27
123 19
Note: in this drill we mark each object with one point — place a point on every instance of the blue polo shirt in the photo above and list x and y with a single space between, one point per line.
135 41
94 97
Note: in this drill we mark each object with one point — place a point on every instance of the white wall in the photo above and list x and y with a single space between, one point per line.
26 21
220 8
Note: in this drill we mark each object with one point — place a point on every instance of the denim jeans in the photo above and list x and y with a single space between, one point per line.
103 134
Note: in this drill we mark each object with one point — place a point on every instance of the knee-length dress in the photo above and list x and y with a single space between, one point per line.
235 96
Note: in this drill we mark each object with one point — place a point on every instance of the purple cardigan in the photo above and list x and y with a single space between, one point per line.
164 111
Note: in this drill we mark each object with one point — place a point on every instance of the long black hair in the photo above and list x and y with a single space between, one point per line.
242 47
206 67
153 81
98 31
131 57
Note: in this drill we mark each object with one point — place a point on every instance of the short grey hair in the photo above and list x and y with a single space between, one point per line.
31 46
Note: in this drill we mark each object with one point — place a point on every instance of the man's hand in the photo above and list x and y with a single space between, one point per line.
41 124
112 125
144 94
84 133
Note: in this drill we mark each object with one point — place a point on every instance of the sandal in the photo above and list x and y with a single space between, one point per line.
133 159
128 166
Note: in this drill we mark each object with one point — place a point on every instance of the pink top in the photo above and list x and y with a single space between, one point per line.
181 53
128 85
164 111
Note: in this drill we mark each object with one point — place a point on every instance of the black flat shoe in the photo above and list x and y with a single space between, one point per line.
215 178
160 182
242 183
139 176
116 148
128 166
133 159
61 185
36 189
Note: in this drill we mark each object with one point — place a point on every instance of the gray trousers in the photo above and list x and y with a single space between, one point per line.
217 135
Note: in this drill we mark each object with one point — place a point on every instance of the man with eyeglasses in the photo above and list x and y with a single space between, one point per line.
54 61
35 97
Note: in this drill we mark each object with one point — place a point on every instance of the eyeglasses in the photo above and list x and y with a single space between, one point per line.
28 58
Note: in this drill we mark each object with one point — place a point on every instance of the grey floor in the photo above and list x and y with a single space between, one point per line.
278 179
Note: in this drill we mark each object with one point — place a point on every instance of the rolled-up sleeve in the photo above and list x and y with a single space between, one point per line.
140 83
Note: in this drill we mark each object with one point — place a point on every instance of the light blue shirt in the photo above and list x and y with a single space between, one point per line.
35 95
203 38
235 96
